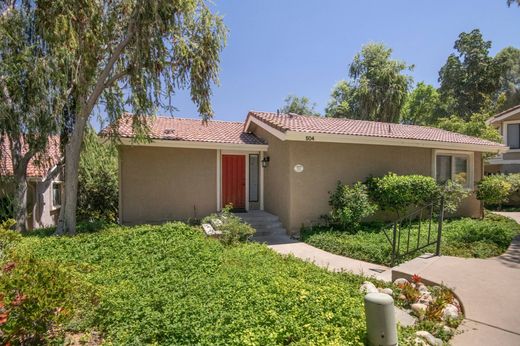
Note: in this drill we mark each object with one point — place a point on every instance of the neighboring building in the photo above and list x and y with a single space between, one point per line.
285 164
44 188
508 124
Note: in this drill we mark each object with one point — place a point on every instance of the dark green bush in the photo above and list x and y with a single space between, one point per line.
400 192
350 204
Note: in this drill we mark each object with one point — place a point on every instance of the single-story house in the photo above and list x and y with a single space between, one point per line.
44 187
285 164
508 124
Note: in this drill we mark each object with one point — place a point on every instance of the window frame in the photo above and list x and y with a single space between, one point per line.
470 165
54 183
504 126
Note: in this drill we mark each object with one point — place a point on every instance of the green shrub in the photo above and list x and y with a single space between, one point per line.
36 297
98 187
169 285
453 193
233 229
400 192
494 189
349 205
465 237
8 237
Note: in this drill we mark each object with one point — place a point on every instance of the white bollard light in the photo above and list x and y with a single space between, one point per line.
380 316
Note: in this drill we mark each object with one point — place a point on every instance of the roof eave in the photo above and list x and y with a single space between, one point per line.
166 143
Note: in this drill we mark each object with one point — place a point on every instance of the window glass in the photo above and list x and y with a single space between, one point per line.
56 194
461 170
253 177
443 165
513 136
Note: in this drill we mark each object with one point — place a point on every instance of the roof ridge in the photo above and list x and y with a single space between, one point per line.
191 119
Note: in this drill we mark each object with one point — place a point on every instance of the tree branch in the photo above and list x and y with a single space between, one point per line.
100 84
115 78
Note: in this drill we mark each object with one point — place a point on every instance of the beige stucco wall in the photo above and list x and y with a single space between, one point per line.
161 184
277 190
301 198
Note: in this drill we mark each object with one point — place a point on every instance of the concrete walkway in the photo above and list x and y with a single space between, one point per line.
488 288
285 245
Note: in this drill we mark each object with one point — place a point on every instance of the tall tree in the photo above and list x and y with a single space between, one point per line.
299 105
377 88
130 54
476 126
31 92
422 106
470 76
342 102
509 89
510 2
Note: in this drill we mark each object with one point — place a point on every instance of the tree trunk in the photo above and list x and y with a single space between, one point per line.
20 201
67 222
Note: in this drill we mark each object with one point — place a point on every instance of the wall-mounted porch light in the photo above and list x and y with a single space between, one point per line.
265 162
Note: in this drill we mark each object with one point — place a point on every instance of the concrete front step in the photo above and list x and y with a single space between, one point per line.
270 231
264 223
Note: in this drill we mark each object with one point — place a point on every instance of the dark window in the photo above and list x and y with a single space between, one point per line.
56 195
513 136
443 173
254 164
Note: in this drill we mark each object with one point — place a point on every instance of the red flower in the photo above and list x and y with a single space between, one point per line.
18 299
416 278
9 267
4 317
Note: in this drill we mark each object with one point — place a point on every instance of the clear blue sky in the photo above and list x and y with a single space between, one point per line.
303 47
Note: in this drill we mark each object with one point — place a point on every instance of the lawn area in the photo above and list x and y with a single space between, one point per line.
461 237
170 285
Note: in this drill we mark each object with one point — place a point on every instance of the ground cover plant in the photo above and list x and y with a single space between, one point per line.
461 237
170 284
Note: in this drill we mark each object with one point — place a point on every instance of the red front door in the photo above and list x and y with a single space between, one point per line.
234 180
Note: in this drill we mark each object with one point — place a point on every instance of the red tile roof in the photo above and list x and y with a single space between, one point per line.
183 129
39 165
342 126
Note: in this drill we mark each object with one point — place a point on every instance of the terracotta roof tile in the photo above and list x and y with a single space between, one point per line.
183 129
39 165
342 126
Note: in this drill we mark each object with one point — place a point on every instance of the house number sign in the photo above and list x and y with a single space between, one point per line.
298 168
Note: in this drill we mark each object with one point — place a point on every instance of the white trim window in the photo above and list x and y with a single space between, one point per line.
56 194
511 133
454 166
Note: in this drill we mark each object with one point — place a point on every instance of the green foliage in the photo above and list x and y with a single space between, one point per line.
350 204
476 126
36 296
8 238
453 193
422 106
470 77
171 285
400 192
234 230
377 88
98 188
494 189
465 237
299 105
510 79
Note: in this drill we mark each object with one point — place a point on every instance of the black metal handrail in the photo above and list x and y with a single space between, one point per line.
399 226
